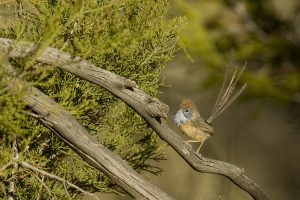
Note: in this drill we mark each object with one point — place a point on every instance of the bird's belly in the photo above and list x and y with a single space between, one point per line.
193 132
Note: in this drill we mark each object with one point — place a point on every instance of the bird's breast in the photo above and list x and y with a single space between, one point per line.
193 132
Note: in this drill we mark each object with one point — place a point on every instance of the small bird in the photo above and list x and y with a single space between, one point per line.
191 123
188 119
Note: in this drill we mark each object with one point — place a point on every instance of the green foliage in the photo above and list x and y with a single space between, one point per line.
130 38
258 34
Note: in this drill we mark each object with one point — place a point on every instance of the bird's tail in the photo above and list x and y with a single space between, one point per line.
231 77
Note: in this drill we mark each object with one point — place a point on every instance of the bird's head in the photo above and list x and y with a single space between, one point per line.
185 111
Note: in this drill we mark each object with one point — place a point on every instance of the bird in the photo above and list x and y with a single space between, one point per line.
188 119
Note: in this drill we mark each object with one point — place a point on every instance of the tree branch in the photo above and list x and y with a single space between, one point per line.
58 120
149 108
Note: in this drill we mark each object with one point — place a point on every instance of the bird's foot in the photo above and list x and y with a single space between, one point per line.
188 144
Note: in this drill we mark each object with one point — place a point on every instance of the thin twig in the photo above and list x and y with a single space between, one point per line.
43 184
66 190
27 165
11 187
7 165
155 50
39 196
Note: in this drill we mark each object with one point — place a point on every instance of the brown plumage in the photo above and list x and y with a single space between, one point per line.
195 126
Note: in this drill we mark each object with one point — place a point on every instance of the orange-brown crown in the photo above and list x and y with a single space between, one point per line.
187 103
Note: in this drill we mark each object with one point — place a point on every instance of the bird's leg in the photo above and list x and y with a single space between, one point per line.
199 148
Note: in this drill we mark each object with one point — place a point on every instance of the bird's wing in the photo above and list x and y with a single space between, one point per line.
201 124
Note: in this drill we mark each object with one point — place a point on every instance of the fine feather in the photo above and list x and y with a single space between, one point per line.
226 83
229 82
201 124
187 103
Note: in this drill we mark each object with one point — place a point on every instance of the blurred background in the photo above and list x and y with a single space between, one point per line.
260 131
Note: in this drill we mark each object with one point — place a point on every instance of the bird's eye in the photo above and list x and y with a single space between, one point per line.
186 110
